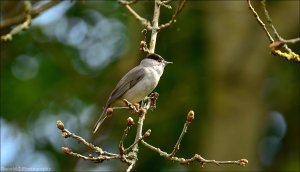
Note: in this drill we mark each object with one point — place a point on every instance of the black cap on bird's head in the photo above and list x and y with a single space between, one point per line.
157 57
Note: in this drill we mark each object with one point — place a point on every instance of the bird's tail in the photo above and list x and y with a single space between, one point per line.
100 120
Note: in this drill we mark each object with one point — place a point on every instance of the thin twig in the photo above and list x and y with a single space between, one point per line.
275 45
98 159
163 3
33 13
66 133
125 2
291 41
130 167
269 20
179 8
260 21
27 16
167 1
183 132
102 155
196 157
121 145
25 25
142 20
147 134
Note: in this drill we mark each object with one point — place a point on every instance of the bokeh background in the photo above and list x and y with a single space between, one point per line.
246 101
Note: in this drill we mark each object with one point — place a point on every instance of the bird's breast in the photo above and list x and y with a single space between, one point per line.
144 87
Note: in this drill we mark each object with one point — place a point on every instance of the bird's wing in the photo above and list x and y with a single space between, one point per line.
128 81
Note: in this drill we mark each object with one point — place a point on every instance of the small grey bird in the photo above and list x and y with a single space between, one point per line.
135 85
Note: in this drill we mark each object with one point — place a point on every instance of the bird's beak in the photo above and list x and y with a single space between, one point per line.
166 62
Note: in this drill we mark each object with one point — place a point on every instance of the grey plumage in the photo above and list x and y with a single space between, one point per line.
123 85
127 82
135 85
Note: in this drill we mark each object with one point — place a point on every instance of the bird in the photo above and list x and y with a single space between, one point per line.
135 85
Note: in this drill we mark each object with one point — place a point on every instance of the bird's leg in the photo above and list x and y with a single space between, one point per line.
143 102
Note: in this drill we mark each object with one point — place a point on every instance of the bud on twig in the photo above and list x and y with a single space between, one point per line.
243 162
190 116
143 45
65 134
147 134
109 112
276 45
142 111
60 125
130 122
66 150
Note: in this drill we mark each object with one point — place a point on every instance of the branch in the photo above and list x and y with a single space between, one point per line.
150 101
130 158
25 25
145 106
167 1
155 27
179 8
130 122
26 17
291 41
102 155
125 2
142 113
196 157
144 22
34 13
260 22
280 42
189 119
288 56
269 20
66 133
